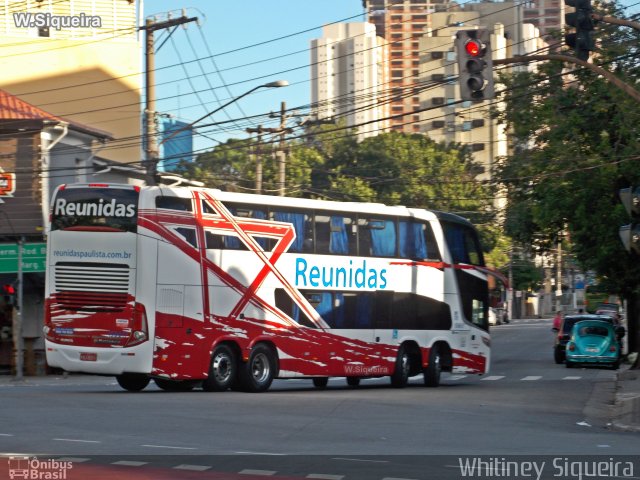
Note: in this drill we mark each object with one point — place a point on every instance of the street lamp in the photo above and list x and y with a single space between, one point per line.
153 162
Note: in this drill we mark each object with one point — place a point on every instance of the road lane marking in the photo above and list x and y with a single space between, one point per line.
169 446
264 473
457 377
73 459
322 476
76 440
129 463
260 453
530 378
493 377
192 468
6 434
572 378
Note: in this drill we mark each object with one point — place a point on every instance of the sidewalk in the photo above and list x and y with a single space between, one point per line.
625 412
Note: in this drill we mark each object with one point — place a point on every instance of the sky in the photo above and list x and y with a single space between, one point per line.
236 46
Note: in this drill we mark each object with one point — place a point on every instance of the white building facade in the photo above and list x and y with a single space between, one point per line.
349 78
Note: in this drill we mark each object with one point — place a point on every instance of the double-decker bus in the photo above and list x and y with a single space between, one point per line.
200 287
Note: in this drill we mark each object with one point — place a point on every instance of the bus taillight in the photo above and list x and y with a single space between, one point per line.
140 332
47 317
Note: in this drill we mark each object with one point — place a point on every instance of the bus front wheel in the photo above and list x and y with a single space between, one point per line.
434 368
223 370
258 373
133 382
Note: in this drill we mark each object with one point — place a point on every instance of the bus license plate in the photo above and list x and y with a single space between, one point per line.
88 357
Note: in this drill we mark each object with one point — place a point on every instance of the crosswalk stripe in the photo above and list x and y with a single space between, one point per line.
493 377
530 378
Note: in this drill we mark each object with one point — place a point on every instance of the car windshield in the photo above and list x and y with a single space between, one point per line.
593 330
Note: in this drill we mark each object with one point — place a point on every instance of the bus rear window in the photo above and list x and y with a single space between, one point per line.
95 209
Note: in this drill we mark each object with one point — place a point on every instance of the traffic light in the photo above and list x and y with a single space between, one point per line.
475 66
630 234
582 40
9 293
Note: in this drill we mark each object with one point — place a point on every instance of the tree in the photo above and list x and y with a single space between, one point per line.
577 139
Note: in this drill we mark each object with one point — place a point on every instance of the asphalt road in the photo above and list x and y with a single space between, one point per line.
527 405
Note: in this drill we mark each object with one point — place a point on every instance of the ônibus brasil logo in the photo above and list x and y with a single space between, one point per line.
93 209
32 468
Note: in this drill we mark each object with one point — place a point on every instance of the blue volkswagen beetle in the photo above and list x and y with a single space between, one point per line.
594 342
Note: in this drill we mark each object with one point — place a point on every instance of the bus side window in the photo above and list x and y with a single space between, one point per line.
417 241
376 237
214 241
287 305
174 203
300 223
189 234
322 234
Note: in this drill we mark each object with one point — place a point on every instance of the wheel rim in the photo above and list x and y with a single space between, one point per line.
405 365
260 368
436 364
222 368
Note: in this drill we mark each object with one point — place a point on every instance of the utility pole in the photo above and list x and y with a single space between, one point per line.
258 154
281 154
151 134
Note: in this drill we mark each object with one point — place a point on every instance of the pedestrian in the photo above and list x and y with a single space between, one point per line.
557 321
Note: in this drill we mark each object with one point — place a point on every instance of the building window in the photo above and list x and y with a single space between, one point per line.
477 147
437 101
479 122
437 55
437 124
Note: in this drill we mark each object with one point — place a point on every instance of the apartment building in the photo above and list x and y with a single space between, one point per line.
443 117
80 60
349 77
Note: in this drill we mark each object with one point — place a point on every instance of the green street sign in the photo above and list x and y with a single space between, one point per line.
34 256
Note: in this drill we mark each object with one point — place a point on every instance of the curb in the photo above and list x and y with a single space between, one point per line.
626 407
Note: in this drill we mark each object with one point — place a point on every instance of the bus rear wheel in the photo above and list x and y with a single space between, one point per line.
434 369
223 370
133 382
400 376
258 373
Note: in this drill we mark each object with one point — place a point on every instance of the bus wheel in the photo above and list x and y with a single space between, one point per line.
353 381
400 376
434 369
257 374
320 382
133 382
174 385
222 371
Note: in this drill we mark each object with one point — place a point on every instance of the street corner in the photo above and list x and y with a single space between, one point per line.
626 408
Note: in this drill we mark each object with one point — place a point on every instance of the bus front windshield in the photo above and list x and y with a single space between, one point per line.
95 209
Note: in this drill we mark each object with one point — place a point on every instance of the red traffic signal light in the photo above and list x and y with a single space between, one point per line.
473 48
475 66
9 289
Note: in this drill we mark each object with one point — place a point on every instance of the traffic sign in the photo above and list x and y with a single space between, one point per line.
7 184
34 257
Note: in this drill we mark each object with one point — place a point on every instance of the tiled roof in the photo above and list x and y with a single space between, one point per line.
13 108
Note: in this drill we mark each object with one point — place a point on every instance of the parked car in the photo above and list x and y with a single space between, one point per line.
564 332
594 342
611 309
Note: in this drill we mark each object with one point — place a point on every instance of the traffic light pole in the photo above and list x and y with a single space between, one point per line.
18 341
628 89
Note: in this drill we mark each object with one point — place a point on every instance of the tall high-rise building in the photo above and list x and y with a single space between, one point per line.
401 23
349 77
80 60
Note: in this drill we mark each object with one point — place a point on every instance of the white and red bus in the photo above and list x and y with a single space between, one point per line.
194 286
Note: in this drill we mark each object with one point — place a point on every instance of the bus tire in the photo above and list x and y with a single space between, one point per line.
223 370
320 382
400 375
133 382
258 373
434 368
174 385
353 382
